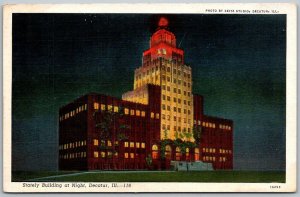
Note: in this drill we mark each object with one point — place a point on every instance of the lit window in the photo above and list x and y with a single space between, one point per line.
103 107
96 105
85 107
109 143
187 153
152 115
125 144
110 107
138 112
157 115
126 111
178 153
96 154
102 154
143 113
132 112
154 151
131 144
96 142
126 155
142 145
137 144
116 109
109 154
197 154
131 155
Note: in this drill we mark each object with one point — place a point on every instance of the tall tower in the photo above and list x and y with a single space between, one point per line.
163 65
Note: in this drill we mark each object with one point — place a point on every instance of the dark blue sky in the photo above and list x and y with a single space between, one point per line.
238 64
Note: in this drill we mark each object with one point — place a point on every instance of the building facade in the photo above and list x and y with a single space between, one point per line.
160 120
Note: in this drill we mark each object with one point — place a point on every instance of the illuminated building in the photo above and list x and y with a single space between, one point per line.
163 65
160 107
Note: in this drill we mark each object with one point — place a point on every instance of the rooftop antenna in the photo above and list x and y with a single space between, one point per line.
181 40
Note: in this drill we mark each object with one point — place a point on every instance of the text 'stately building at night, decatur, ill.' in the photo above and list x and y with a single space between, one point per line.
160 121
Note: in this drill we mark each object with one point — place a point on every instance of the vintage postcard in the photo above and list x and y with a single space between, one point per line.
149 98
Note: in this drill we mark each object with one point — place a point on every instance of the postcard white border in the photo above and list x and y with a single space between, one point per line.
291 92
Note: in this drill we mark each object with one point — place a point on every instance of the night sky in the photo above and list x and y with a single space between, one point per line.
238 65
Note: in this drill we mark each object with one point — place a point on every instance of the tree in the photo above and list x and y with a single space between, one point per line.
149 161
110 128
197 131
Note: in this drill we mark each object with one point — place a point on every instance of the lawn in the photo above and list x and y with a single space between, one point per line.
156 176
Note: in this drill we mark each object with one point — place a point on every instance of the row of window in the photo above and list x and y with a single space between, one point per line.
225 151
178 119
213 150
73 112
175 100
175 118
176 128
175 109
175 71
209 150
73 155
175 81
104 154
109 155
212 125
108 142
127 111
136 144
209 158
72 145
226 127
175 90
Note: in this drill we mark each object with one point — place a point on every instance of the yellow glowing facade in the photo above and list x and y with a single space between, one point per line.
176 95
163 66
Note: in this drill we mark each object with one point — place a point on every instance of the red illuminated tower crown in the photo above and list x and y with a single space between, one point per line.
163 44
